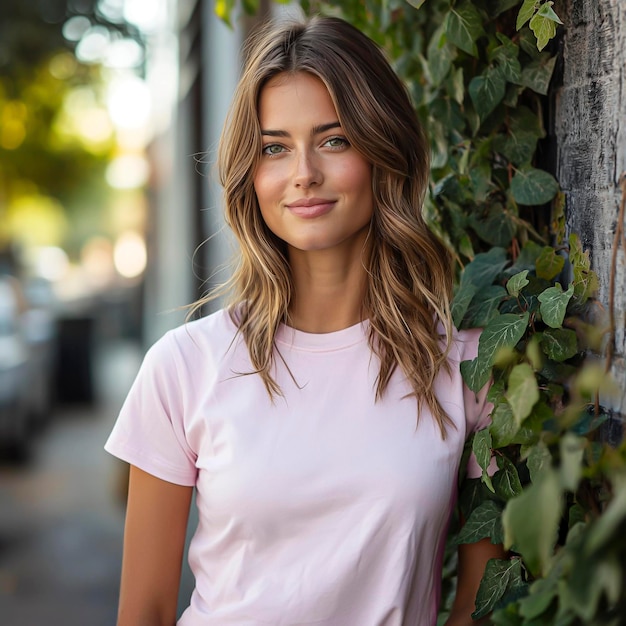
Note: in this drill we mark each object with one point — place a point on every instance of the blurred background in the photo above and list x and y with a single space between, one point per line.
110 222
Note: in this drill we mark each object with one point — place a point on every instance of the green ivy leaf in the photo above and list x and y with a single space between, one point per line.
518 147
542 592
485 267
549 264
475 373
501 575
416 3
461 301
543 24
530 432
504 331
537 74
481 447
523 391
531 186
503 427
524 119
440 55
484 521
559 344
439 143
527 257
495 226
516 283
473 493
506 57
496 391
539 459
557 372
480 175
554 304
464 25
526 11
487 91
223 10
585 280
458 86
531 521
506 481
484 306
572 449
511 97
528 43
591 582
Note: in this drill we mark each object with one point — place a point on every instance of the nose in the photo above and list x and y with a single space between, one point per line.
307 171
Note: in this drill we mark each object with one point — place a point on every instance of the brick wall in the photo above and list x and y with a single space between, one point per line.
590 130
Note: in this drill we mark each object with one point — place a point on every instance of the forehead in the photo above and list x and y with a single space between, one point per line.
293 95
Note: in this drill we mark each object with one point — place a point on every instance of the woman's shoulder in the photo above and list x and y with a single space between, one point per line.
212 334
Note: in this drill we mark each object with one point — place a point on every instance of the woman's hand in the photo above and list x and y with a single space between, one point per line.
154 540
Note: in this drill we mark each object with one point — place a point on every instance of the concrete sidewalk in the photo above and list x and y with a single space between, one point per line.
61 517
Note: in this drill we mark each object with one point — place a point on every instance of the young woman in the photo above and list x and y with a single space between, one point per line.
322 416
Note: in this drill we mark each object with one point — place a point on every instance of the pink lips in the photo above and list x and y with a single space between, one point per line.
311 207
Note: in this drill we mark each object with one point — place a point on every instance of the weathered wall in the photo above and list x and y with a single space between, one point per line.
590 129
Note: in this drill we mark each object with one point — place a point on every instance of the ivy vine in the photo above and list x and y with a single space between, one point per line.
479 73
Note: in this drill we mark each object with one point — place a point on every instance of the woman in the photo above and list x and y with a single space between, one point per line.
321 417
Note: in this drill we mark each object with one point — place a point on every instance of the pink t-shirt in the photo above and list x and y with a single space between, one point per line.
322 507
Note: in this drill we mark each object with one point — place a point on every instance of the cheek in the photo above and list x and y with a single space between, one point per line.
357 178
267 185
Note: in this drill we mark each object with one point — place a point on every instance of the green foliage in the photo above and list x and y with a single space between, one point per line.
39 158
479 72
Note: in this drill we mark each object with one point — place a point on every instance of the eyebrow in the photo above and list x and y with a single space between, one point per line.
316 130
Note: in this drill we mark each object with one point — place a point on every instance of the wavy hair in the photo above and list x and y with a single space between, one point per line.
409 270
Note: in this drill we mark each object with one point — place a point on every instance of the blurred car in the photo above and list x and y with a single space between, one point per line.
25 370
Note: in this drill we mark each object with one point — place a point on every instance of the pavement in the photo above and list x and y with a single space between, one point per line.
62 514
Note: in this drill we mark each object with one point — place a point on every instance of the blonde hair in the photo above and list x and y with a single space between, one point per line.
409 270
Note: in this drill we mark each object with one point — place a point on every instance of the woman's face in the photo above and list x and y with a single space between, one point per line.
314 189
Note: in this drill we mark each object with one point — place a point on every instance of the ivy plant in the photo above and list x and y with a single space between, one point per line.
479 73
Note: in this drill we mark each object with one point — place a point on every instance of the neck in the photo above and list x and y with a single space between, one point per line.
328 291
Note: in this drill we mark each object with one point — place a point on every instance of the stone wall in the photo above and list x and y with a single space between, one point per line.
590 130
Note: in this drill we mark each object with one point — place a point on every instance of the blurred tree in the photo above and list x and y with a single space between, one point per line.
55 137
31 32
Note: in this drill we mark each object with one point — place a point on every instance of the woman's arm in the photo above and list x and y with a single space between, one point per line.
473 559
154 540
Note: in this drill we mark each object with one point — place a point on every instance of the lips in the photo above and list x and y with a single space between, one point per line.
311 207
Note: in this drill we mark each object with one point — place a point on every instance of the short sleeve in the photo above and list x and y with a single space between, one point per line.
477 408
150 429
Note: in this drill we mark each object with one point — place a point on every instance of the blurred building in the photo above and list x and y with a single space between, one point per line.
188 245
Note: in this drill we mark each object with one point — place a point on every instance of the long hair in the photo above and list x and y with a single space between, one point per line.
409 270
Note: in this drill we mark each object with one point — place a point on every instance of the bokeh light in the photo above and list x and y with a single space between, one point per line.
128 171
129 102
94 45
51 263
130 254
